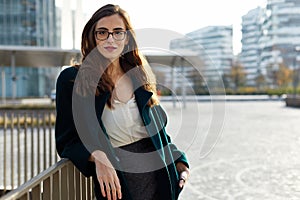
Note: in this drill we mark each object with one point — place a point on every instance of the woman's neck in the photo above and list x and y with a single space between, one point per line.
115 71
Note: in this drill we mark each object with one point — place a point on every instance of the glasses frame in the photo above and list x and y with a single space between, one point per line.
111 33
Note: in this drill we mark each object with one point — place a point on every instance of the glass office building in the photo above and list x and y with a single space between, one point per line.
214 45
251 34
270 38
28 23
280 35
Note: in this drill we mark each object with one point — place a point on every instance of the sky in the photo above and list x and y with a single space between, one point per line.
183 16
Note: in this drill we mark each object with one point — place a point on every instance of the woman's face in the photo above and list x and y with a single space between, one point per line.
111 45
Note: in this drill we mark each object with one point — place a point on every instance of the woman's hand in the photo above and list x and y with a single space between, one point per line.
107 176
183 172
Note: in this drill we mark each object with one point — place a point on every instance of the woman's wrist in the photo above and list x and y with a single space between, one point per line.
97 154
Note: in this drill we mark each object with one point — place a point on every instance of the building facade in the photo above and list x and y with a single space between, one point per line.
270 40
250 53
216 42
28 23
213 44
281 36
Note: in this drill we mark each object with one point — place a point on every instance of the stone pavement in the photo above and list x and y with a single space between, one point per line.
249 150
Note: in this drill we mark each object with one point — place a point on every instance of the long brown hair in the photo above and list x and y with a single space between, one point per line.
131 57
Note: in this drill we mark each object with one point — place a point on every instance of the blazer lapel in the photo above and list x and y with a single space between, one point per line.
142 97
100 102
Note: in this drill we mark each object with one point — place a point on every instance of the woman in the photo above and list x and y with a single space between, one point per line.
118 134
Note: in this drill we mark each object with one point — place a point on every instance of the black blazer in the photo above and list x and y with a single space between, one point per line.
71 144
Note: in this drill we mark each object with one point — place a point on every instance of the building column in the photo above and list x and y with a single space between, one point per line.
173 76
3 85
183 88
13 74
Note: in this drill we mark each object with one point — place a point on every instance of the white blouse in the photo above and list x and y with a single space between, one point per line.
123 124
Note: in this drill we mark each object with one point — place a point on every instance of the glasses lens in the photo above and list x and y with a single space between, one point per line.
119 35
102 35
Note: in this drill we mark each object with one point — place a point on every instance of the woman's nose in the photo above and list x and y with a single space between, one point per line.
110 38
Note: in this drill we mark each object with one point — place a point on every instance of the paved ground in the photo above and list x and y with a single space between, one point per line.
239 150
248 151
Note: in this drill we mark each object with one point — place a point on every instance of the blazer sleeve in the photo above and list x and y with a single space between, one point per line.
179 155
68 143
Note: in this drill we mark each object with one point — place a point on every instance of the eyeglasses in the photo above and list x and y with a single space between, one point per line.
104 34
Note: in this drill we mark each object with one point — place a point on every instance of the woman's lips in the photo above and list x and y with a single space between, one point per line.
110 48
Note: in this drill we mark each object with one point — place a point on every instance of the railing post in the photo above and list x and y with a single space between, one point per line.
56 186
45 141
50 139
25 147
4 151
36 192
19 150
47 189
83 186
12 150
38 143
71 181
32 144
77 185
64 183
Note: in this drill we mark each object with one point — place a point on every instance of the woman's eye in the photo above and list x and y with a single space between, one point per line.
102 32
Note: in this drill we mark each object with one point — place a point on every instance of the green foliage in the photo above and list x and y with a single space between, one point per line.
281 91
165 92
268 91
235 78
27 107
35 120
27 121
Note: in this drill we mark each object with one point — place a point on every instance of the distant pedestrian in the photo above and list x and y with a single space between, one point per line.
127 152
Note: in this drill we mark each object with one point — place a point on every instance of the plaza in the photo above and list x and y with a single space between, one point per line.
255 156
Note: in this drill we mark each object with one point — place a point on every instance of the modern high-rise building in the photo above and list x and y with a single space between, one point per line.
280 35
251 34
214 45
270 38
28 23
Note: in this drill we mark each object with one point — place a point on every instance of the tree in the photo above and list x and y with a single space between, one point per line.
226 80
295 78
280 75
260 81
283 76
237 75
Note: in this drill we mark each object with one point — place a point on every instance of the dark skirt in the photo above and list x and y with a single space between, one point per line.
141 166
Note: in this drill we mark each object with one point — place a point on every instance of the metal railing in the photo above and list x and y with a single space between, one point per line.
27 145
62 181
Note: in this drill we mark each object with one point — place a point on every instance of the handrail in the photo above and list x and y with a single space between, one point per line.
28 145
34 181
61 181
